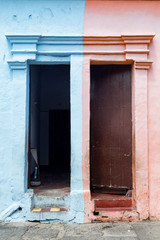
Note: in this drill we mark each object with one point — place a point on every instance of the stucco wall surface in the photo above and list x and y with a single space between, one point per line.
47 18
136 17
69 18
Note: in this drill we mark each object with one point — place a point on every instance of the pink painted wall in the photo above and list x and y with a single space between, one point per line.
134 17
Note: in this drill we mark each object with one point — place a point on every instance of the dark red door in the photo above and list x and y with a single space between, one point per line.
111 128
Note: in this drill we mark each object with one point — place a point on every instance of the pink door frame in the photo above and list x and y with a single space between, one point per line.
124 49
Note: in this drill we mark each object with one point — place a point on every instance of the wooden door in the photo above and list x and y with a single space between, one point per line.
111 128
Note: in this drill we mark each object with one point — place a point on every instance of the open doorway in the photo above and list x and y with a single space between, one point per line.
49 131
111 136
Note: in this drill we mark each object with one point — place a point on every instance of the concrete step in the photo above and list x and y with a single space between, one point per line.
109 202
110 209
50 202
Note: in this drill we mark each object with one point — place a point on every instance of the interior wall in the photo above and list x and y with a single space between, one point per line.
34 110
55 94
54 87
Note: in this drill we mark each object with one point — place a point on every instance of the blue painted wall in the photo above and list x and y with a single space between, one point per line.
42 17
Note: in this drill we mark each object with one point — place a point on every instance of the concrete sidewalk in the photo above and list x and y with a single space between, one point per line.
95 231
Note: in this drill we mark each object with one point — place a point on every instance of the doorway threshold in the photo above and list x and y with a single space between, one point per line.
51 191
53 195
53 184
50 201
111 202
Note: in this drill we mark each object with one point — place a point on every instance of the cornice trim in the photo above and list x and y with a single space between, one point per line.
125 46
17 65
85 40
23 38
143 64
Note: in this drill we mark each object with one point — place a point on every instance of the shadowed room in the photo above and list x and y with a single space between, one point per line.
49 132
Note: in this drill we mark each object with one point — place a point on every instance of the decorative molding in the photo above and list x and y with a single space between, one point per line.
23 51
137 51
17 65
127 47
23 38
143 65
78 40
141 38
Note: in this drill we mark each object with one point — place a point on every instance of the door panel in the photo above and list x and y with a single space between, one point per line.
111 128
